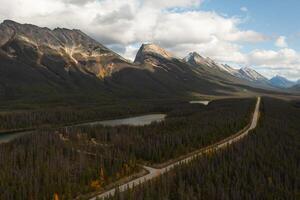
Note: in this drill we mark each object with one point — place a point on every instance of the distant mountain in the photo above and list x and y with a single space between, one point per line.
244 74
177 75
43 64
282 82
252 75
196 59
214 69
147 50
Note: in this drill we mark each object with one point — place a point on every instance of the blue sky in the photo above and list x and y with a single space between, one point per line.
262 34
271 17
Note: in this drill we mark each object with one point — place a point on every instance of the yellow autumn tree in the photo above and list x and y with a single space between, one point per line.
56 196
96 185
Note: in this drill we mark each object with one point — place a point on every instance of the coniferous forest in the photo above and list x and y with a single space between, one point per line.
86 114
68 162
264 165
66 115
188 127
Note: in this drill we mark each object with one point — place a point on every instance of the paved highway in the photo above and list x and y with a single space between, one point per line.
153 172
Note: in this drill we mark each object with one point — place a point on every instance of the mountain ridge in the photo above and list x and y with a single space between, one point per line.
151 49
245 73
73 46
39 62
282 82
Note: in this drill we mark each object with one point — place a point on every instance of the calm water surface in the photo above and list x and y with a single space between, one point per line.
133 121
200 102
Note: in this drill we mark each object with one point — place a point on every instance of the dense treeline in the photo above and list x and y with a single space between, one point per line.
59 116
73 161
187 128
265 165
39 165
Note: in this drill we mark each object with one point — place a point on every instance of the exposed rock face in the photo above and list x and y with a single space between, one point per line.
195 58
244 75
148 50
252 75
70 49
40 63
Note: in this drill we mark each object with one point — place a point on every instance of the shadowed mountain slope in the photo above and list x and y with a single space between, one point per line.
61 64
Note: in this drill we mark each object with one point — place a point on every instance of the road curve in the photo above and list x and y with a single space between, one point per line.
152 172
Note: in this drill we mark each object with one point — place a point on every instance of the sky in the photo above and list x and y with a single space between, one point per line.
264 35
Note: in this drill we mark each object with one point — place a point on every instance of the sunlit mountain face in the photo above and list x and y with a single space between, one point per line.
149 99
40 62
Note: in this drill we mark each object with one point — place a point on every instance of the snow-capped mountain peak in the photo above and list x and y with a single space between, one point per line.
246 73
196 59
251 75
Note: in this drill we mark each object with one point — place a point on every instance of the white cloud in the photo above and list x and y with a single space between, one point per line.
171 3
123 25
281 42
284 57
130 51
128 22
285 62
244 9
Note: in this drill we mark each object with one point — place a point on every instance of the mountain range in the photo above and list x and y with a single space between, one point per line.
245 73
43 64
283 82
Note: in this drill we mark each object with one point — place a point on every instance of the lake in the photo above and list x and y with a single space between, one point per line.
6 137
200 102
133 121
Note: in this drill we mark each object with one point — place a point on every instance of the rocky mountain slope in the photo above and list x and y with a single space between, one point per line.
71 49
41 64
245 75
177 76
251 75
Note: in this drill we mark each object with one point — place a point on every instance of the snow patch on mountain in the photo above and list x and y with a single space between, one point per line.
195 58
244 73
252 75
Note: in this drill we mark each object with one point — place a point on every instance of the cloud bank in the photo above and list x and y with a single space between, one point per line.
178 25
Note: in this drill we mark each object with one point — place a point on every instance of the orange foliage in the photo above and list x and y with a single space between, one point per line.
56 196
96 185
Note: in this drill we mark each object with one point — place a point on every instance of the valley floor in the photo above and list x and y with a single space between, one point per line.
69 162
156 172
264 165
